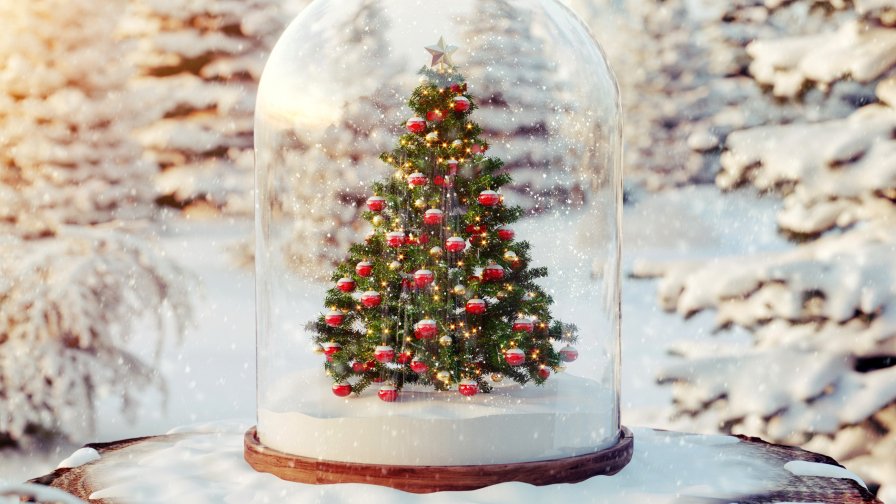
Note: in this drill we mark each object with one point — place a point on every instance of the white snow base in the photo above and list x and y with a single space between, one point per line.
567 416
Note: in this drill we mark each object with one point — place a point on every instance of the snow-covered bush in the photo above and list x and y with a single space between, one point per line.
73 281
820 370
198 66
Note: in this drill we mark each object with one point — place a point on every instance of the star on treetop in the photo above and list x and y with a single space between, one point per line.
441 52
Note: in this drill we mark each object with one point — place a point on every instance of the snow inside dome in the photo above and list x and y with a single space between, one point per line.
438 235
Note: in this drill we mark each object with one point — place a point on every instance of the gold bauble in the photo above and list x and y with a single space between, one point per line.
420 203
394 265
559 368
443 376
435 251
446 340
510 256
460 290
497 377
377 220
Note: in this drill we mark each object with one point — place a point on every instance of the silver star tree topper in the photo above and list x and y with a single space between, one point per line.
441 52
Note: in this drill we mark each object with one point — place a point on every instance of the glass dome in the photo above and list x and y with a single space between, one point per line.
438 235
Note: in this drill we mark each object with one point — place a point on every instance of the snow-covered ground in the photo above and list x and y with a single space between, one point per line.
211 375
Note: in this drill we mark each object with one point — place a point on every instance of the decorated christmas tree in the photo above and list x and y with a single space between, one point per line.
440 294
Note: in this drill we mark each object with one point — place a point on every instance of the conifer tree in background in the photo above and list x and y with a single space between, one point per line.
71 287
199 62
440 293
351 145
516 94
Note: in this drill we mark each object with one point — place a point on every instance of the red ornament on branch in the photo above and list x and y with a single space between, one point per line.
404 357
416 179
388 393
418 366
416 125
452 166
515 356
478 149
468 388
364 269
461 104
493 273
331 348
334 319
455 244
345 284
568 354
475 229
394 239
544 372
523 325
358 367
371 299
475 306
423 278
426 329
505 233
489 198
384 354
432 217
435 116
342 389
376 203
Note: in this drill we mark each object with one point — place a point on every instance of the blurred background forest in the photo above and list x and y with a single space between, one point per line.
760 213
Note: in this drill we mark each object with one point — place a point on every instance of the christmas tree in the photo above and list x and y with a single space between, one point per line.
440 293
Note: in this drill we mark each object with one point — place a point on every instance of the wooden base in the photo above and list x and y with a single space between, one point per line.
427 479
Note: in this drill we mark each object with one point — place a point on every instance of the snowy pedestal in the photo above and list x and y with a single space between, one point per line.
205 465
513 423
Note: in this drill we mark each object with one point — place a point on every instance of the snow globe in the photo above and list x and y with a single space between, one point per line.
438 203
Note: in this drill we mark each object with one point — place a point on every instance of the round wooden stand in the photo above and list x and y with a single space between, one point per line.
426 479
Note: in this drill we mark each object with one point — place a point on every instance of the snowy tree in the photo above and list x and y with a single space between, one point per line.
73 282
199 63
821 368
340 158
518 94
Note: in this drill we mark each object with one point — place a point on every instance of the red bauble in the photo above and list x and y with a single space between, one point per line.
331 348
358 367
384 354
404 357
568 353
371 299
345 284
492 273
426 329
432 217
438 180
523 325
461 104
475 229
544 373
515 356
416 179
364 268
376 203
452 166
455 88
416 125
455 244
489 198
418 366
468 388
334 318
423 278
478 149
435 116
342 389
388 393
475 306
395 239
505 233
516 263
369 365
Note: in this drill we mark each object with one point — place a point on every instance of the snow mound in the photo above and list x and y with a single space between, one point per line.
805 468
79 457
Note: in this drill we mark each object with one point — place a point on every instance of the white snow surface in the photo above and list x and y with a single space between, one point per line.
664 466
806 468
80 457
